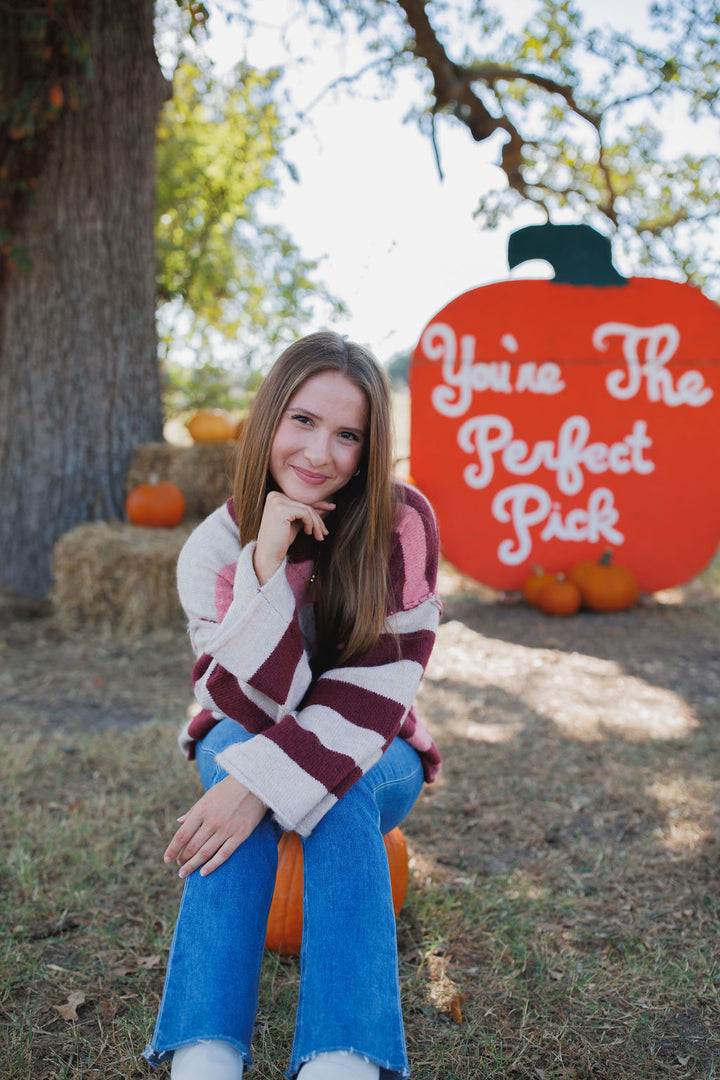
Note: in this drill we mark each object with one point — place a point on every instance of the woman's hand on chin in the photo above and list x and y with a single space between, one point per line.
282 520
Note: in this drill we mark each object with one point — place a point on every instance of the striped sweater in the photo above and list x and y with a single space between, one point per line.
253 646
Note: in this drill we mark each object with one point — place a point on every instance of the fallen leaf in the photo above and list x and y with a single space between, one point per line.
122 970
149 961
108 1010
68 1011
455 1007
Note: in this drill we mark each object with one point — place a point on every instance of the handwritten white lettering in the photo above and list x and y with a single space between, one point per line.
463 377
490 435
660 345
528 505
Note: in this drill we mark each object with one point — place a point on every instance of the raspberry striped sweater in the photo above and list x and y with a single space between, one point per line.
315 737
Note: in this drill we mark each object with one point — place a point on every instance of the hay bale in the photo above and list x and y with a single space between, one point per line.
202 471
117 580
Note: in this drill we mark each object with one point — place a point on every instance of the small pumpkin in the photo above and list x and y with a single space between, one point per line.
284 925
211 425
155 504
559 596
608 586
578 573
534 583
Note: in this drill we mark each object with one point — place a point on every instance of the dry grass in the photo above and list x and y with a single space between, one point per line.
564 910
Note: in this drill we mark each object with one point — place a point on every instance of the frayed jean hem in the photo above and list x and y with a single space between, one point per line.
156 1057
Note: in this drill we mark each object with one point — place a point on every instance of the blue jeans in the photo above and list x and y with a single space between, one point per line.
349 995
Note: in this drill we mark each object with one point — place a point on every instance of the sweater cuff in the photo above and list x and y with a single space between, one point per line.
262 614
298 801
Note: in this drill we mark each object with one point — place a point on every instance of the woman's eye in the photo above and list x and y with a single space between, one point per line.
349 435
301 418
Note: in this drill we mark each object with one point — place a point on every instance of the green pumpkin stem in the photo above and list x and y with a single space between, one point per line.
578 254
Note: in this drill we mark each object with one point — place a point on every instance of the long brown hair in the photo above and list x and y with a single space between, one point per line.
352 586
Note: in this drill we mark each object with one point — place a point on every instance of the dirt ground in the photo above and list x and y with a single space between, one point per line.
526 708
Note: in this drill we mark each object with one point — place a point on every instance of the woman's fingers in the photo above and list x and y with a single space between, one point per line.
314 524
214 827
181 838
207 855
282 520
192 850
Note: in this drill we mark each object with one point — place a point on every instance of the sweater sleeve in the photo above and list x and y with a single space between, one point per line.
251 660
312 756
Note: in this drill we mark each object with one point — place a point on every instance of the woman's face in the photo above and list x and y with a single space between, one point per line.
319 441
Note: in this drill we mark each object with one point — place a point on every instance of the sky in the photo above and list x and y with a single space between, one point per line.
394 241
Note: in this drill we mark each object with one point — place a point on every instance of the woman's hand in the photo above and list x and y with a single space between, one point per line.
282 520
214 827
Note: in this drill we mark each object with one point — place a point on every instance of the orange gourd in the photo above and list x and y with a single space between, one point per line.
608 586
211 425
559 597
160 504
578 573
284 926
534 583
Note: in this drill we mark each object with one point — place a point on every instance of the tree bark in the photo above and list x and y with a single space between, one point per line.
79 379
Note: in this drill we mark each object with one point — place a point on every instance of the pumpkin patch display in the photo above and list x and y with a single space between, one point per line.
533 584
211 425
284 926
559 596
552 419
160 504
605 585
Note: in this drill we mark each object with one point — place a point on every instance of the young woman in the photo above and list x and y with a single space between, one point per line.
312 608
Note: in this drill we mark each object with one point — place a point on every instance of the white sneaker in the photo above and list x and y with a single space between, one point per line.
209 1059
339 1065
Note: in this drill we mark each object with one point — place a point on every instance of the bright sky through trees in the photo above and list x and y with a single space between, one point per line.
397 242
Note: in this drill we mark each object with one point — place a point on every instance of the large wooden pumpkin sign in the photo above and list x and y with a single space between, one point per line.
552 419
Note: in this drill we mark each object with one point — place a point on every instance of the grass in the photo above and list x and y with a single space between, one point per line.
513 978
591 956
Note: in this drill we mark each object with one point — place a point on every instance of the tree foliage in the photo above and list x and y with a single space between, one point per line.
592 124
224 272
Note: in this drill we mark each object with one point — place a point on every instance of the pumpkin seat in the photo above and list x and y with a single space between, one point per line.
284 926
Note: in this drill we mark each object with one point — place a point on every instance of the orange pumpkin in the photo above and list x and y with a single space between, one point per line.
211 425
160 504
534 583
578 573
284 926
608 586
559 597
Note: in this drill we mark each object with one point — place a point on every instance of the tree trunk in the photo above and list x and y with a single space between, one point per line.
79 379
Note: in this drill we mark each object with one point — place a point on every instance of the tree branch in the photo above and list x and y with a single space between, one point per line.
492 73
453 91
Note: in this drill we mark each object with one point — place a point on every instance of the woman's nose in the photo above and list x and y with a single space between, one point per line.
317 448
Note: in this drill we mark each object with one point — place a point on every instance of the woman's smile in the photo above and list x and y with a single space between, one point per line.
309 477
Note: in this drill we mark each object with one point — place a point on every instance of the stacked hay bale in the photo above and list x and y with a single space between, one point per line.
203 472
114 579
117 580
